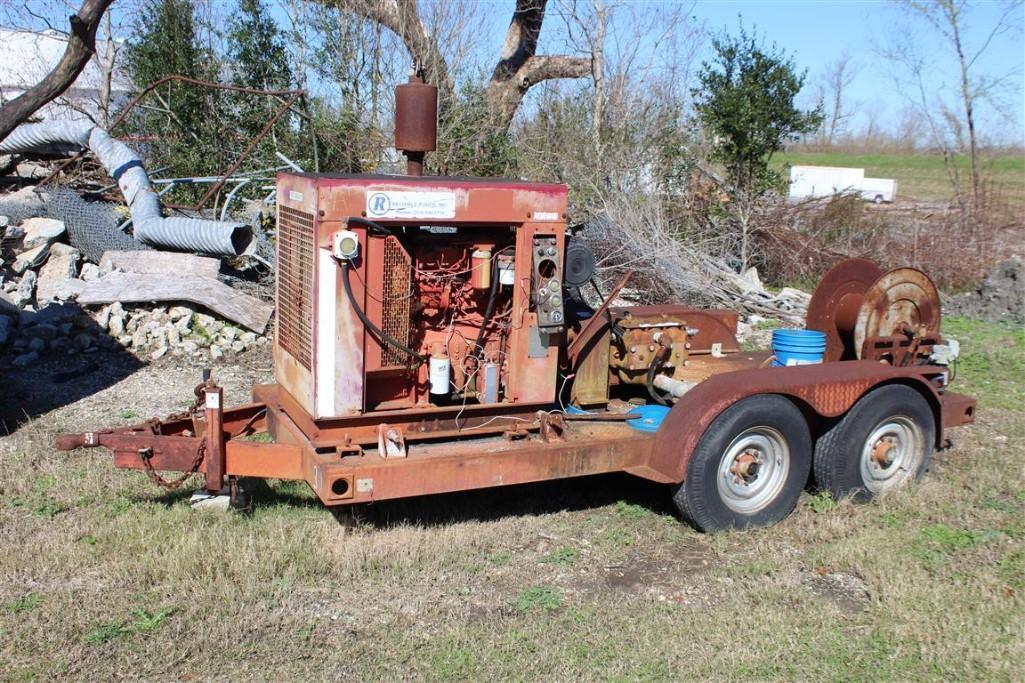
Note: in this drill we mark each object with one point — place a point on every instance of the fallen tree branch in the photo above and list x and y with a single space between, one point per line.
81 47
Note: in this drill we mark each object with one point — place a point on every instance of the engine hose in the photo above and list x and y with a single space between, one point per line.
367 223
656 362
488 311
377 331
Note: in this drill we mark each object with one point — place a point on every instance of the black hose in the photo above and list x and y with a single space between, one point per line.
377 331
367 223
656 362
489 310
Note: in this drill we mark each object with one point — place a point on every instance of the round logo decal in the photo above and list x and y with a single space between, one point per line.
378 204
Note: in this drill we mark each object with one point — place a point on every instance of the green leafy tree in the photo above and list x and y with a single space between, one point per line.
746 106
167 43
469 142
178 114
257 49
258 59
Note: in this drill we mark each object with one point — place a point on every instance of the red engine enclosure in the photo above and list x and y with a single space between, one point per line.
429 293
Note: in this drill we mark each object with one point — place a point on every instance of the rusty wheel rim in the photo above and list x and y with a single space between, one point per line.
753 470
891 454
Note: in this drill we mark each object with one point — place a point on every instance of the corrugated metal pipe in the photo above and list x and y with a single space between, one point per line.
125 167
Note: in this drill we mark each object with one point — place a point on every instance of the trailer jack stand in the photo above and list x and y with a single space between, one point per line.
232 498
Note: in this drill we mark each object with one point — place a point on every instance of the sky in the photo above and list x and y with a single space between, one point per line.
815 33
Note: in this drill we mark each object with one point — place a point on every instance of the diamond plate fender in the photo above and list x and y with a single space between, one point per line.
826 390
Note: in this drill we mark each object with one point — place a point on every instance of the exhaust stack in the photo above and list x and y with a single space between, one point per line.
416 122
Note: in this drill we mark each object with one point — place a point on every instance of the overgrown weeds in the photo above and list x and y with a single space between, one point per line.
955 246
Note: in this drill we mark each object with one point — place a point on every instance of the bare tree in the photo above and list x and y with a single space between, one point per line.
834 83
518 66
107 61
81 47
948 19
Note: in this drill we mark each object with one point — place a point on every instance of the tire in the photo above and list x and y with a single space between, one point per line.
852 458
715 497
878 199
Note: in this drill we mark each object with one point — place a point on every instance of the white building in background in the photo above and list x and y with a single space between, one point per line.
812 182
27 56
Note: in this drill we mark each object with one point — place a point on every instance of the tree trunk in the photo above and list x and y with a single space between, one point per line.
81 46
967 97
598 74
402 18
518 67
107 64
837 104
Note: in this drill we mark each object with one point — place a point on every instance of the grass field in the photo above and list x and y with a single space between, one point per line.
921 176
106 577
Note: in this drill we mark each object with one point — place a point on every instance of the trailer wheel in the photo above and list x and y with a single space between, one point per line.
882 443
749 468
878 199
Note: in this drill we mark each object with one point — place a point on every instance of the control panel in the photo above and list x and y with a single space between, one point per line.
547 284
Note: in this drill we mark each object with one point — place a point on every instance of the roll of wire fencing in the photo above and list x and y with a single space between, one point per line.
92 226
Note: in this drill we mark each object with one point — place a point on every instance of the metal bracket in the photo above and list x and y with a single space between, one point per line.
390 441
552 426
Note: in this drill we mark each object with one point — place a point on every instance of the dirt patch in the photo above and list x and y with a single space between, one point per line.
847 591
686 559
113 387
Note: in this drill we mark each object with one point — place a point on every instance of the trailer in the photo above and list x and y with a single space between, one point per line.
430 337
878 190
816 182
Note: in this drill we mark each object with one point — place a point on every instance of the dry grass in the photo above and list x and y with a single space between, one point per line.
105 577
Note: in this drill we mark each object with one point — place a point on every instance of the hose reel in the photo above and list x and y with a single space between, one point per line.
856 302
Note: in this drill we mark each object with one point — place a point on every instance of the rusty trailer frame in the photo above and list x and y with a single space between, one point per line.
345 464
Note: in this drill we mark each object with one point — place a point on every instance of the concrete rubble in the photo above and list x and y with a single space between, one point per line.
999 297
41 277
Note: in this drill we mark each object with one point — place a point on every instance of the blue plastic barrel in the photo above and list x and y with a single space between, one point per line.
798 347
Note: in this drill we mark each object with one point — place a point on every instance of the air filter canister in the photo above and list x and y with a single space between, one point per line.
480 276
440 374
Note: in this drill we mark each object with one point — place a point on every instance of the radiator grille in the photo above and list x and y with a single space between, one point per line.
396 302
295 284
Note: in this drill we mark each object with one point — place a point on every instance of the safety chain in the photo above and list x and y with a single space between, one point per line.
147 453
191 410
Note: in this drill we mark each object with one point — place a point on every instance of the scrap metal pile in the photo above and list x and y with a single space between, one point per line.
81 271
59 250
